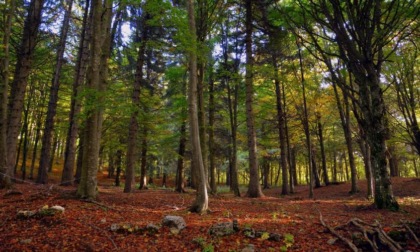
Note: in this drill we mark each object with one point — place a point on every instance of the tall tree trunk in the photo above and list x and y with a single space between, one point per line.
321 144
345 123
181 155
254 187
75 106
212 108
118 162
315 170
281 130
20 80
393 161
143 163
52 105
305 123
88 182
135 99
5 172
38 123
365 149
200 205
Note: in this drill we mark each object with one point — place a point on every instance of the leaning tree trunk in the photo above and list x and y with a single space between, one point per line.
5 175
20 80
52 105
254 187
200 205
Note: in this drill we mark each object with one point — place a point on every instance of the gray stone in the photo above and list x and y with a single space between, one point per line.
249 248
274 237
175 223
249 232
152 228
222 229
332 241
115 227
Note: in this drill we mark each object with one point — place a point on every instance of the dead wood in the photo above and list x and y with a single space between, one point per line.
347 241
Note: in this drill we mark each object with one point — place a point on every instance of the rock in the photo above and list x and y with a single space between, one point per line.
332 241
249 248
152 228
115 227
26 241
235 225
274 237
175 223
249 232
59 209
222 229
26 214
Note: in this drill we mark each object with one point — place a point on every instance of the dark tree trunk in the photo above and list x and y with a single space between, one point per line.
143 163
323 156
5 173
315 170
78 174
181 155
75 106
20 80
118 162
345 123
212 150
200 205
37 136
111 165
46 156
266 172
254 187
393 161
135 100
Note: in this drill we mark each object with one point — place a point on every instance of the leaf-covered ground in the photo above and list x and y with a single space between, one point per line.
86 226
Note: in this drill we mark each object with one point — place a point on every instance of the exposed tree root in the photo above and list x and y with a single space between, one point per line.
367 236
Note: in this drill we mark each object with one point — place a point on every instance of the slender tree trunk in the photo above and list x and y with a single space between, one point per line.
393 161
20 80
212 165
321 144
345 123
315 170
75 107
281 130
181 155
305 123
5 172
200 204
254 187
135 99
52 105
118 161
37 136
416 171
143 165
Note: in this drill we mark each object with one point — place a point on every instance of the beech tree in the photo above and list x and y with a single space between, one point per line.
362 30
200 205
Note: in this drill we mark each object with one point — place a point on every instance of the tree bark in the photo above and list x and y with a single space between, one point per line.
254 187
88 182
20 80
135 99
181 155
143 163
200 205
75 106
212 108
321 144
5 173
53 99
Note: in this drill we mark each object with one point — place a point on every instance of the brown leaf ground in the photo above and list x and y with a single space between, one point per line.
86 226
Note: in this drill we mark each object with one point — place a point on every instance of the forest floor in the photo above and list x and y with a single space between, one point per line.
86 226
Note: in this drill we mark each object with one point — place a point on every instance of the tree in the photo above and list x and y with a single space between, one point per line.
254 187
101 18
44 162
134 127
200 205
75 106
20 79
5 175
361 32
